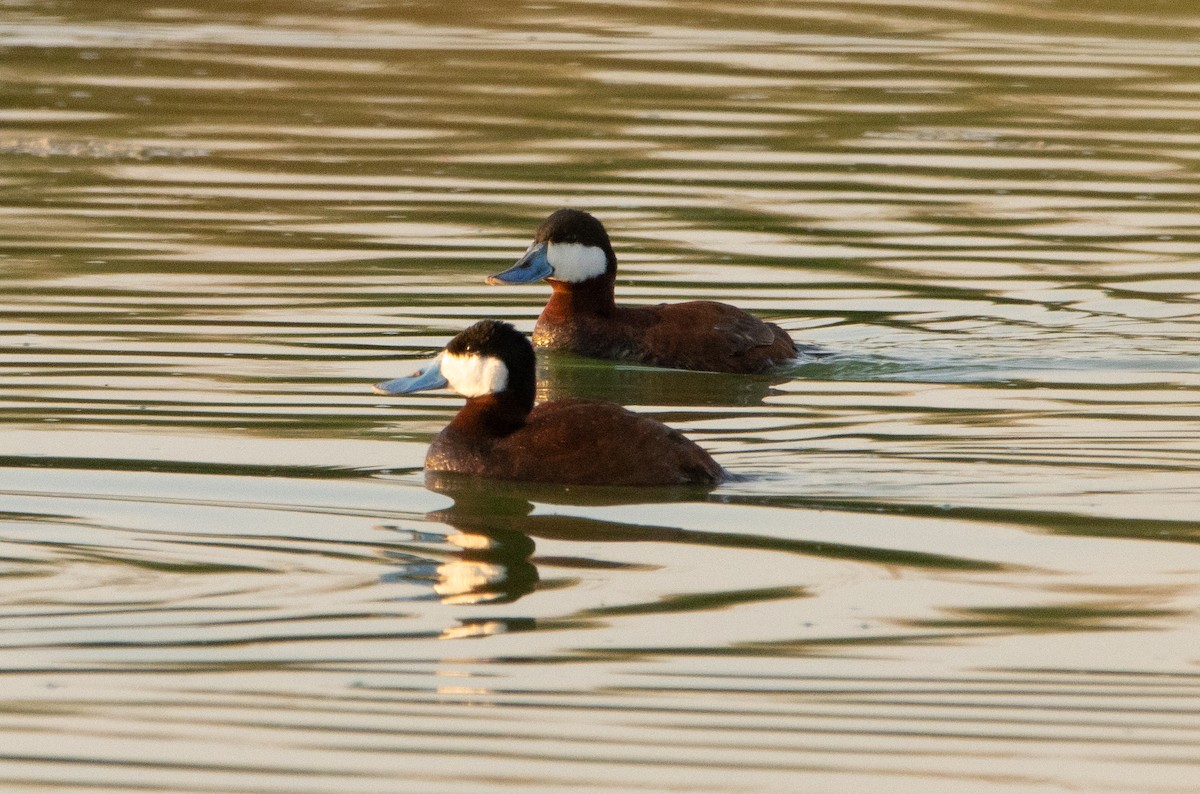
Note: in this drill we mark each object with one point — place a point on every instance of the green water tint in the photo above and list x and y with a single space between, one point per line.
960 550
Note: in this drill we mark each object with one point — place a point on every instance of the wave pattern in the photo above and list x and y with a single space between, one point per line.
961 550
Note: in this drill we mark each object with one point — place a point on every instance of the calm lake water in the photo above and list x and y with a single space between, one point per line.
961 553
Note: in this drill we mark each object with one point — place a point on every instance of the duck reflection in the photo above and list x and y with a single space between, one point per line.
491 564
493 559
563 376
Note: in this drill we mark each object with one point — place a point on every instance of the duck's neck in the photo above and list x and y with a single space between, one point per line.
594 297
494 415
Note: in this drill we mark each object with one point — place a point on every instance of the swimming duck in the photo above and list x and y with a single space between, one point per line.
571 250
499 433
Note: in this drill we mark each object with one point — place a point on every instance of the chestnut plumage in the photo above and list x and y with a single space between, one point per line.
499 433
582 315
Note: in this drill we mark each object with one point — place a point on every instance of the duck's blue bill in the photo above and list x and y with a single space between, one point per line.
427 377
534 266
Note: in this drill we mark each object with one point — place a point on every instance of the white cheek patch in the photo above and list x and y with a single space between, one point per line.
576 262
474 376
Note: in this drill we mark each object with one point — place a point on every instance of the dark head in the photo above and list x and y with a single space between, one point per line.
570 246
572 226
491 358
488 358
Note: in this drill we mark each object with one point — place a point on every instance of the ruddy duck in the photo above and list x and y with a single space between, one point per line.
499 433
571 250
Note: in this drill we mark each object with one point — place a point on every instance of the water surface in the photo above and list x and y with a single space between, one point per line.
960 554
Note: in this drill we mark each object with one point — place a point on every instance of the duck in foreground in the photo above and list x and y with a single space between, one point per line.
499 433
571 250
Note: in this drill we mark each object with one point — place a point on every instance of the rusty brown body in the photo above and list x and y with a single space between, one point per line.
698 335
571 250
573 442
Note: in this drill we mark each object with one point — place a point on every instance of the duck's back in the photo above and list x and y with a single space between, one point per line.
696 335
712 336
580 442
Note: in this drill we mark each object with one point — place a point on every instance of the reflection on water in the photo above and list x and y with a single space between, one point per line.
960 552
490 564
564 375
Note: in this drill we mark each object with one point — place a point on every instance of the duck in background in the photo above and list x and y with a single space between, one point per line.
499 434
572 251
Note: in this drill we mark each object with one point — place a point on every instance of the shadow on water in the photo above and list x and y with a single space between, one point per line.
496 523
1070 617
563 375
1056 522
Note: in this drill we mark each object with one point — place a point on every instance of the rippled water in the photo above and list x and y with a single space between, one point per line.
961 553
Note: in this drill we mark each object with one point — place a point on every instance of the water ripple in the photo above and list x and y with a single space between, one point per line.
960 549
